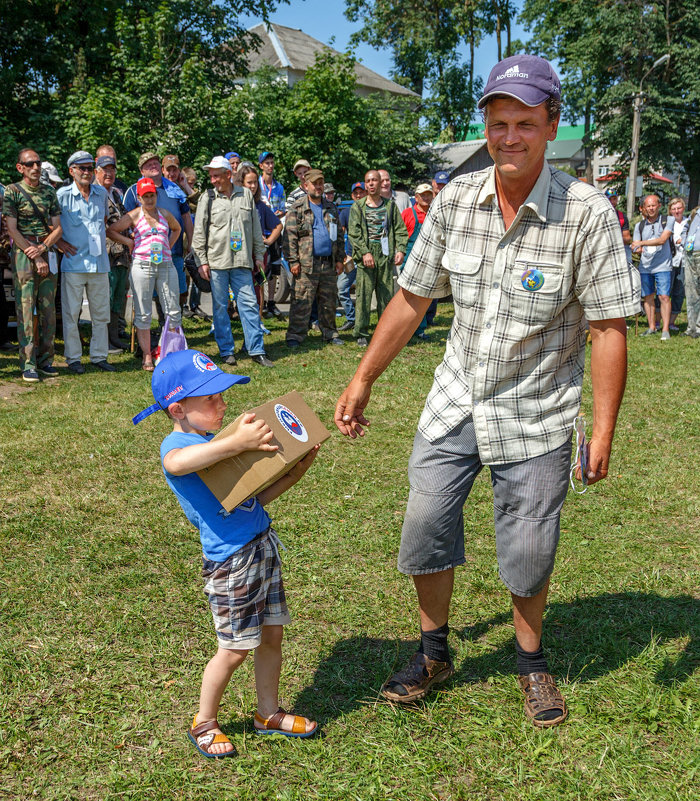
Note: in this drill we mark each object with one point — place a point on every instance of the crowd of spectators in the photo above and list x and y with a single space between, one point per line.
92 236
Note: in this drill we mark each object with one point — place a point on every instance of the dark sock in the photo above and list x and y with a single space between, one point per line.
534 662
530 661
434 644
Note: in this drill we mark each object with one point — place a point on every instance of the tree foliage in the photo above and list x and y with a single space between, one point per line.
604 49
160 76
427 39
65 64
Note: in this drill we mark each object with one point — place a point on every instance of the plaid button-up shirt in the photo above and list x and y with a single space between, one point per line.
515 355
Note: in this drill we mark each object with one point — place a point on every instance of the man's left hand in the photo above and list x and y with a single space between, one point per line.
598 459
398 258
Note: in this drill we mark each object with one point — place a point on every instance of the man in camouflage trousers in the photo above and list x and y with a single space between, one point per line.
34 223
379 238
315 252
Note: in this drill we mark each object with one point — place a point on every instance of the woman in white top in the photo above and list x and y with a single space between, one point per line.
676 209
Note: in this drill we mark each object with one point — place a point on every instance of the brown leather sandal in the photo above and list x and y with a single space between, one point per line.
272 725
416 679
203 737
542 695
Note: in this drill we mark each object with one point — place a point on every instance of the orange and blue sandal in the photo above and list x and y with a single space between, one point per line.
273 725
203 738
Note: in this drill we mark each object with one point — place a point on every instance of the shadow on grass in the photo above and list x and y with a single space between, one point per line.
584 640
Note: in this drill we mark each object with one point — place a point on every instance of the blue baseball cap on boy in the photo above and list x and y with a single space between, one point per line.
357 185
266 154
232 153
441 177
186 374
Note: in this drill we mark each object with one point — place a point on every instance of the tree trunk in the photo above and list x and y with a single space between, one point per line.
587 143
498 29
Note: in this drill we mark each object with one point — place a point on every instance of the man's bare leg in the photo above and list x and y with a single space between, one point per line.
431 664
434 596
544 703
527 618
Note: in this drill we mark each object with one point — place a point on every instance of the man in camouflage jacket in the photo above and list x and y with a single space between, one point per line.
314 250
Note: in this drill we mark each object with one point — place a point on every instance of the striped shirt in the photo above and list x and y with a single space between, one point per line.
515 355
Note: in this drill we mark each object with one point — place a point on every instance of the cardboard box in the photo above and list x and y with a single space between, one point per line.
296 429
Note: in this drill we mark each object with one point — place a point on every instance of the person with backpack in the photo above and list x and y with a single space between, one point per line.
228 244
33 219
651 235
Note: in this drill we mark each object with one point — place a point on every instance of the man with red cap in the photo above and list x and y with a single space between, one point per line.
528 253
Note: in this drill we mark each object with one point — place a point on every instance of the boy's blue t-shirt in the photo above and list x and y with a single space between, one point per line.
222 533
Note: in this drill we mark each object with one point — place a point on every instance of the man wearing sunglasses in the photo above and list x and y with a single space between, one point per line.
84 211
33 219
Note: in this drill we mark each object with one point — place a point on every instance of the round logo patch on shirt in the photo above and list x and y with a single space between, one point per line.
291 423
203 363
532 280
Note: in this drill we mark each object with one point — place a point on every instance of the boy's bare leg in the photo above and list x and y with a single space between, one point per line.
217 675
268 664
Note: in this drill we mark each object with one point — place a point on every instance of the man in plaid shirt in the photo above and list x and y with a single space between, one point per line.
529 253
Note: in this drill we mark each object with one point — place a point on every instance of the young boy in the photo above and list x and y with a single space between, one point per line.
241 566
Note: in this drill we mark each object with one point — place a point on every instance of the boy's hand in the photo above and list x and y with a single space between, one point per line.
254 435
303 464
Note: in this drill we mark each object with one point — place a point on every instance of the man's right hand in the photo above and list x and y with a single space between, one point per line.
368 260
205 272
349 411
66 247
42 267
295 270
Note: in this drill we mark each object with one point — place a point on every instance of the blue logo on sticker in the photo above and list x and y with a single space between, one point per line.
532 280
291 423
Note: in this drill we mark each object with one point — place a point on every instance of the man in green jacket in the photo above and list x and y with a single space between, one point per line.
379 238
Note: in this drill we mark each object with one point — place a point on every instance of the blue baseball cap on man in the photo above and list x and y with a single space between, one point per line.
529 79
231 154
441 177
266 154
357 185
611 192
186 374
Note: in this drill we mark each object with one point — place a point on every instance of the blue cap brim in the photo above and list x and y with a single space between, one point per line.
219 382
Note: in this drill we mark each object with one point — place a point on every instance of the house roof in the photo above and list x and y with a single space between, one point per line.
454 154
291 48
563 148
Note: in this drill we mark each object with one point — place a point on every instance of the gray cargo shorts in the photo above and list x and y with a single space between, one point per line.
527 501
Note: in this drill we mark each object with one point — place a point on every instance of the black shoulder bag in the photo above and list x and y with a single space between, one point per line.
202 284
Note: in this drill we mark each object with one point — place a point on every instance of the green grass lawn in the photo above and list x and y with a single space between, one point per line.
105 630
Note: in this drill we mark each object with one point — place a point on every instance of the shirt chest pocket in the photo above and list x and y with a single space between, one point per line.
536 291
465 276
219 216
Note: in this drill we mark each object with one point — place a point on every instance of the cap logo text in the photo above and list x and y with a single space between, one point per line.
512 72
